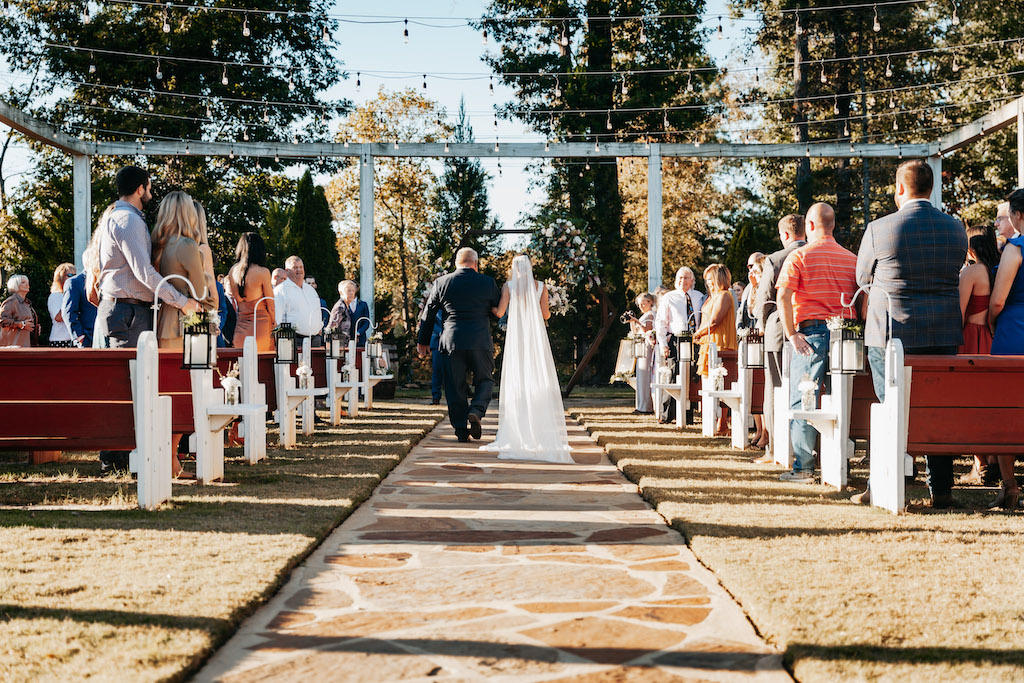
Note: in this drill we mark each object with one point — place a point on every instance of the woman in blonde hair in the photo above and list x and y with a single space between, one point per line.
176 251
717 322
60 333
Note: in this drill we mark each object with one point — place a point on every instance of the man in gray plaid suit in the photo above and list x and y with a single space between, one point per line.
915 255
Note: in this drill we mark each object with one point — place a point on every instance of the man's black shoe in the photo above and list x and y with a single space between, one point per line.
474 426
463 438
435 401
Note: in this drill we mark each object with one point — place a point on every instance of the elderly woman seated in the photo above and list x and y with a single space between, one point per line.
18 321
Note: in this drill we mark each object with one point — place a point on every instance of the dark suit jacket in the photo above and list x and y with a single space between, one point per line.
77 311
465 299
915 255
362 311
764 306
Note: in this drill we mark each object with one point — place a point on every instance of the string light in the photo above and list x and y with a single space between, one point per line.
625 88
209 111
956 66
446 148
888 68
224 76
689 82
291 82
586 166
490 86
405 32
877 26
608 123
245 27
424 81
720 32
277 158
346 143
231 154
564 42
326 35
824 73
245 135
496 148
86 16
159 73
643 35
547 146
955 19
597 145
396 143
167 20
799 30
664 120
266 113
558 88
358 82
92 64
484 39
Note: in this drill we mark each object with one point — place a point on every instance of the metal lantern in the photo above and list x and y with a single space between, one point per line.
199 351
374 349
334 345
287 348
685 347
639 348
846 351
752 349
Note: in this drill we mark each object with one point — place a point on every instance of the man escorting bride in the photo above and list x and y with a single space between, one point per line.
531 420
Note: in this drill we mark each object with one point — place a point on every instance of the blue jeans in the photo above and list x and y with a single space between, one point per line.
436 374
801 433
938 468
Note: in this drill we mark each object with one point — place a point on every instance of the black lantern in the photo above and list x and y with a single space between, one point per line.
846 350
685 347
287 349
334 345
199 351
752 349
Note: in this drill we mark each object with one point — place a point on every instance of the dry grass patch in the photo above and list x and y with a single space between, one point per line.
106 590
848 592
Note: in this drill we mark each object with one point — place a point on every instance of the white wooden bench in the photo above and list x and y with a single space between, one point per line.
343 383
293 401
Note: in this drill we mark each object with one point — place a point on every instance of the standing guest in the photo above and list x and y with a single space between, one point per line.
176 252
644 366
325 313
60 333
1004 228
78 311
678 312
278 276
791 234
128 280
358 310
976 282
1006 313
226 317
718 326
436 369
737 296
915 256
18 322
813 281
297 303
746 320
249 283
340 319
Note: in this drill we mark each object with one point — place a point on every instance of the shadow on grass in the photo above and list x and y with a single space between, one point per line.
9 612
866 652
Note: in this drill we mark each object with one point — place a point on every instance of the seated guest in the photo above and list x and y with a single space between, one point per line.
355 311
975 287
644 366
325 313
78 311
718 324
814 280
914 256
296 303
18 322
60 334
1006 312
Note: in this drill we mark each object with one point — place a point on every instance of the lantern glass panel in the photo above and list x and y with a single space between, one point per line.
287 349
199 348
685 350
753 350
846 351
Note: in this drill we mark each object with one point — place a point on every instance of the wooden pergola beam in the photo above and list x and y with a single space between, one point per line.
39 130
998 119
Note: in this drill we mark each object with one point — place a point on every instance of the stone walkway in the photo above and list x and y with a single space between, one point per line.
464 567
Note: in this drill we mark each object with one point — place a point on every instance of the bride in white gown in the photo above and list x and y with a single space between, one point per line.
531 420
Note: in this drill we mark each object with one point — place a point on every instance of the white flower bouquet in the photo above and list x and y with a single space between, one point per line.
231 384
305 374
807 388
558 300
620 377
718 374
664 375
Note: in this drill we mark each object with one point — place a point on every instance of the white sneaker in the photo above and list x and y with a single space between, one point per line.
797 477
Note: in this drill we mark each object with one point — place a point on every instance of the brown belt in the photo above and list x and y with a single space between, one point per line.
133 302
810 323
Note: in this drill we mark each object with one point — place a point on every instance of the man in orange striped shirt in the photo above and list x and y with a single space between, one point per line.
813 282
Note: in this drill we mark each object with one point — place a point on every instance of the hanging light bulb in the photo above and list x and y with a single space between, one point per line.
86 16
151 107
586 167
231 154
824 74
245 26
291 82
396 143
159 73
597 145
664 120
245 135
145 131
608 123
846 129
888 68
209 111
326 35
484 39
167 20
259 166
224 77
277 158
892 102
93 101
835 106
405 32
358 82
143 144
643 34
558 88
877 26
92 64
295 138
346 143
807 151
496 148
757 76
956 65
490 86
625 88
895 124
424 81
446 148
720 32
564 41
266 113
547 147
799 30
955 19
187 150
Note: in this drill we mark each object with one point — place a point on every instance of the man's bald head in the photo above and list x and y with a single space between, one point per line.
466 258
278 276
821 221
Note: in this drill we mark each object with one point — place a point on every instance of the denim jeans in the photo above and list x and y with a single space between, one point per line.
938 468
802 434
436 375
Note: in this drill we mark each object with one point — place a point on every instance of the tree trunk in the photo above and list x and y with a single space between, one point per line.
607 320
804 184
844 194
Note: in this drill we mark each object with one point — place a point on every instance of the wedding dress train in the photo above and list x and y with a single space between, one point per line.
531 419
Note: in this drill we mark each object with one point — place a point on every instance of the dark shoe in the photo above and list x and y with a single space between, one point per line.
1005 500
990 475
945 502
435 401
863 498
463 438
475 430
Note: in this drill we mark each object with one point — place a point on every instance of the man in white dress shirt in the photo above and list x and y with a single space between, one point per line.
296 302
678 311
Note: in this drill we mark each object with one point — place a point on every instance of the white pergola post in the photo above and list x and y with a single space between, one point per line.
82 183
654 218
935 163
366 255
1020 143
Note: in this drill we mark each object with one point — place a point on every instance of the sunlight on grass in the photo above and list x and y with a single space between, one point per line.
849 592
149 595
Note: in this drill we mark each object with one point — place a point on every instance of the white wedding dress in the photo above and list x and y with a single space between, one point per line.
531 419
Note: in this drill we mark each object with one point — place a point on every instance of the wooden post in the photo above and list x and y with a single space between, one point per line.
82 184
366 255
936 164
654 218
1020 142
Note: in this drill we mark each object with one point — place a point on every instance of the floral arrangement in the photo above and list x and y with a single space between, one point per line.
620 377
837 322
720 371
807 389
664 375
568 251
231 383
375 337
200 317
558 300
305 374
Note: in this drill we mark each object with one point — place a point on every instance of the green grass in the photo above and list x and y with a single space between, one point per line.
849 593
110 588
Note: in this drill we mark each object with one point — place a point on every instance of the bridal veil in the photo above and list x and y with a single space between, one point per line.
531 420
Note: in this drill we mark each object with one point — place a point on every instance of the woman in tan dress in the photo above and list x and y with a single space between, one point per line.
717 322
248 282
176 252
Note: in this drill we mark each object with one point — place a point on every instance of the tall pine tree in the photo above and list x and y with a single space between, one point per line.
310 235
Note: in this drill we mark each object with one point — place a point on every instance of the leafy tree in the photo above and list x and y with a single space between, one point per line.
310 235
461 203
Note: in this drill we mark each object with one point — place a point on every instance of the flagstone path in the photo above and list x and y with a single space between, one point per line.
465 567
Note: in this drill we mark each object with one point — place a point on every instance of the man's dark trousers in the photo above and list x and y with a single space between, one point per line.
457 364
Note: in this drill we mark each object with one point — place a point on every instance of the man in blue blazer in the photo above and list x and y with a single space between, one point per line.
464 299
78 313
915 255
